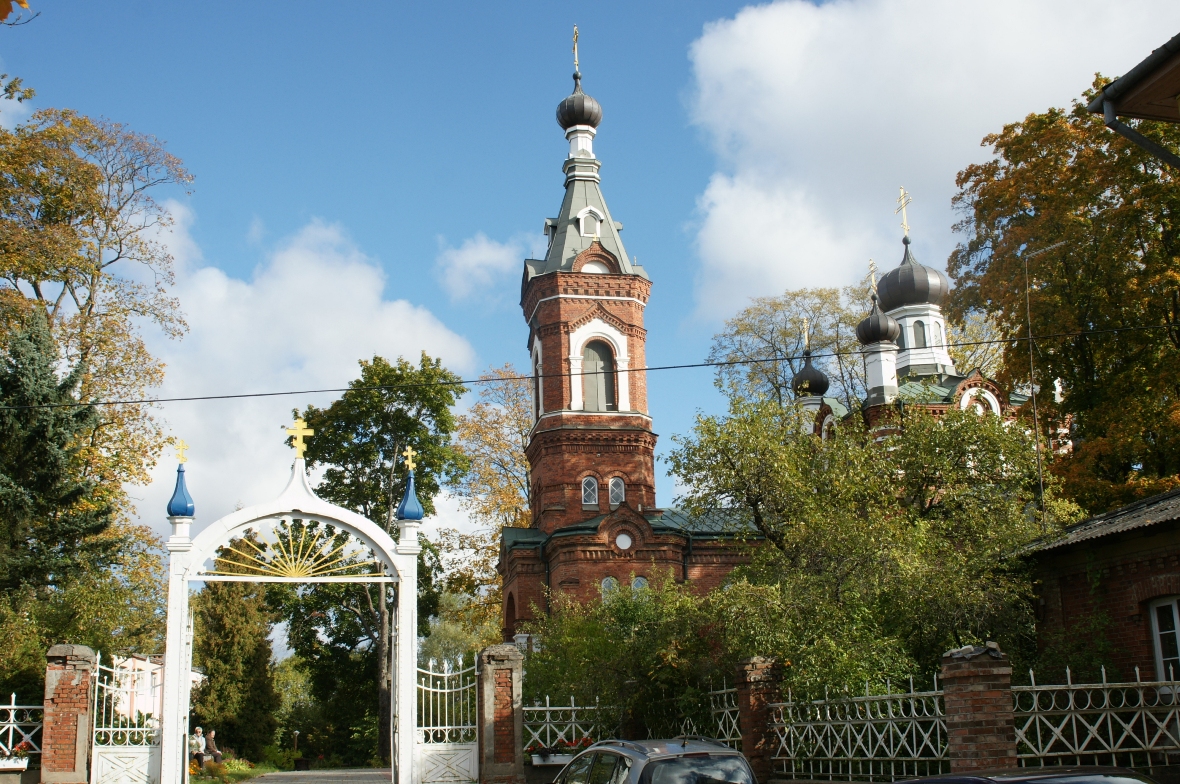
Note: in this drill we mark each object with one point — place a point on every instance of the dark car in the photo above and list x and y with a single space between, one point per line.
1050 775
674 761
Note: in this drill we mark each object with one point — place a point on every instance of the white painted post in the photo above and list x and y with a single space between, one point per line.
174 722
406 661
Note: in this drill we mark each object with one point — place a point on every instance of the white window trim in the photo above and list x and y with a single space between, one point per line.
610 491
597 329
581 216
597 495
992 401
1160 674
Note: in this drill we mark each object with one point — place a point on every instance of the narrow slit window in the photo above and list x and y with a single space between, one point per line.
589 491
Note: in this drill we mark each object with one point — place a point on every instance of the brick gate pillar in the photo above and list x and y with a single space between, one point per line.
65 736
757 687
501 715
977 696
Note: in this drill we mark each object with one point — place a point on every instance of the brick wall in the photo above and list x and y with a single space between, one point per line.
505 737
977 698
757 687
65 736
1116 577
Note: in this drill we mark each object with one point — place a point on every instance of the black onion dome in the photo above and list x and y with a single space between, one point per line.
912 283
877 326
579 108
809 380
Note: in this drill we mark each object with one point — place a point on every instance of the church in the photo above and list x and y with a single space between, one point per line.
596 525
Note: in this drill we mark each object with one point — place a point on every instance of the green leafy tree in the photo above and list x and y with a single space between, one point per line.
342 632
1061 176
238 698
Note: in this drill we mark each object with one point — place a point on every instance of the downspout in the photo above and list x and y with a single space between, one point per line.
1110 118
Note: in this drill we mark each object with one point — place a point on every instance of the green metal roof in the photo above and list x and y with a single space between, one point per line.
714 524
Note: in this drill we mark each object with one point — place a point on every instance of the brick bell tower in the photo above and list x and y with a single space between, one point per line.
591 451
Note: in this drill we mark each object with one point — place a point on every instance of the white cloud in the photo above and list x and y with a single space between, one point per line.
819 112
302 321
480 266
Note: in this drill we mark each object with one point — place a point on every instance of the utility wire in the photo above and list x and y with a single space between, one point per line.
501 379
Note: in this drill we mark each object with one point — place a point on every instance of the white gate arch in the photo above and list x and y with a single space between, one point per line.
394 562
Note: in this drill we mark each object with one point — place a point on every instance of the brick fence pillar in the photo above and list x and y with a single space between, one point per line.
501 715
757 687
65 736
977 695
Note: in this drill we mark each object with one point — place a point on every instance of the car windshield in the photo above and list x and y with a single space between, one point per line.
703 769
1093 778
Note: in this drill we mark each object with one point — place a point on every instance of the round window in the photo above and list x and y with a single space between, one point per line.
623 541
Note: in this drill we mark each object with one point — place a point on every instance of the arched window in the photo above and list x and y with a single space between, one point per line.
589 225
510 615
598 379
589 491
638 584
919 335
609 585
595 268
1165 627
618 491
901 339
937 334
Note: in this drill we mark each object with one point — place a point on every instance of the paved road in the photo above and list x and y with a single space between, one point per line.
346 776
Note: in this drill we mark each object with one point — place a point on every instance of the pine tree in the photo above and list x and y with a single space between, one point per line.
50 512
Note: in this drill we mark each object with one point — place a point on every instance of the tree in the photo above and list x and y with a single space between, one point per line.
79 241
1106 304
493 436
51 512
918 536
238 698
974 343
359 440
763 344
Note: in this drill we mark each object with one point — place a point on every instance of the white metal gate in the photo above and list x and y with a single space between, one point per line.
126 713
446 749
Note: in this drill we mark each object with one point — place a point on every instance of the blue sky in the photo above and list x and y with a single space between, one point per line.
355 163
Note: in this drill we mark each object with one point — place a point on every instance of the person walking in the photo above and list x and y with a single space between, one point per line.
211 746
196 746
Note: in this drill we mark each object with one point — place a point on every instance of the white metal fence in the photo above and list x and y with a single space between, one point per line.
559 727
1134 725
724 711
447 716
882 737
20 724
126 742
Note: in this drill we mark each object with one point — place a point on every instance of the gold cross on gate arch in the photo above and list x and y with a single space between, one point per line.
181 448
297 432
409 455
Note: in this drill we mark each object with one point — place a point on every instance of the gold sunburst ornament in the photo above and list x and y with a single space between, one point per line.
298 551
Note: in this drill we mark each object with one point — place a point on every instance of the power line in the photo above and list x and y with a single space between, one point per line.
542 376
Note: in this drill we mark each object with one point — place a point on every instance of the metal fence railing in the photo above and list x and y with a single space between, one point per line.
724 711
882 737
21 724
446 703
560 727
1135 725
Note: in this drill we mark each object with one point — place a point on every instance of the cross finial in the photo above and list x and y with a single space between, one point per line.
806 333
181 448
903 199
297 432
409 455
575 47
873 274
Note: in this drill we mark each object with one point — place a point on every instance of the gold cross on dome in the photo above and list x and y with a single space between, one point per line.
806 333
409 455
873 274
903 200
297 432
575 47
181 448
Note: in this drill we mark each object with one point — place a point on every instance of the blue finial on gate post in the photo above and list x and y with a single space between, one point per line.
410 508
181 504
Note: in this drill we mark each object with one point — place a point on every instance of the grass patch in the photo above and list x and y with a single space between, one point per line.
229 772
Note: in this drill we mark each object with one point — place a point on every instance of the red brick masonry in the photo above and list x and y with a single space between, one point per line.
65 737
504 736
977 697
